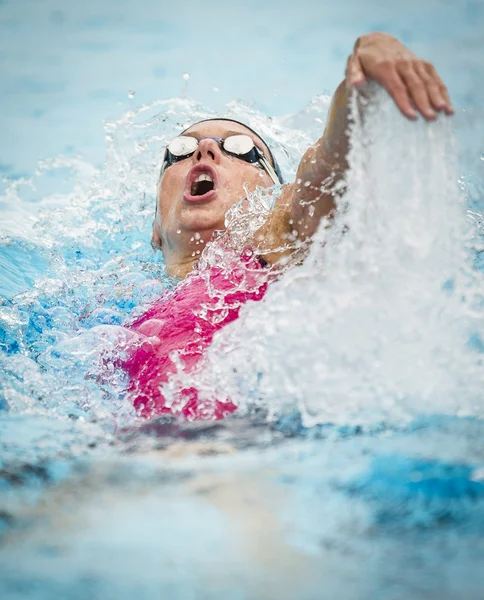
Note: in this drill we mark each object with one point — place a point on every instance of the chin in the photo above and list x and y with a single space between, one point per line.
203 221
208 216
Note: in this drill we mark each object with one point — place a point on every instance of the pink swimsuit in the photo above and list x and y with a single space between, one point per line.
184 321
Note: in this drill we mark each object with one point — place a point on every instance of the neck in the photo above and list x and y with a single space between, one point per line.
180 259
180 269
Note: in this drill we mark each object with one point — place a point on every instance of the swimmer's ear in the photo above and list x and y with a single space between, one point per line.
156 236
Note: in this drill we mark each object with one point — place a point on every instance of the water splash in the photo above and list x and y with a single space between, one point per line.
378 323
383 324
76 263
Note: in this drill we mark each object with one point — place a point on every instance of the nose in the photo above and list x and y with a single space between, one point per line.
208 150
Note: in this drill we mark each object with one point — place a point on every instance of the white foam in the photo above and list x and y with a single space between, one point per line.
375 325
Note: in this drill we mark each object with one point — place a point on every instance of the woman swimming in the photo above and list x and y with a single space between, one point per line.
208 169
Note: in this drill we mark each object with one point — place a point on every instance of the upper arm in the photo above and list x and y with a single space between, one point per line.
303 204
321 169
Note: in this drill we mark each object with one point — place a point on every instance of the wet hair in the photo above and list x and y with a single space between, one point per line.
277 169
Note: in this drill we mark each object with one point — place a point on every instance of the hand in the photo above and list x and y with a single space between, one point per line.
410 81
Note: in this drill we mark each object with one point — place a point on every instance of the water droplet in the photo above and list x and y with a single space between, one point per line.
131 94
197 236
307 183
178 231
482 156
186 76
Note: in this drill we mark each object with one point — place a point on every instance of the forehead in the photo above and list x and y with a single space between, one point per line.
220 129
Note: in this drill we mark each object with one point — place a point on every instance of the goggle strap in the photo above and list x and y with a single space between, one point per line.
269 168
163 168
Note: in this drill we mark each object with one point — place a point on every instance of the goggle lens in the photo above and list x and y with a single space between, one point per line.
238 145
183 146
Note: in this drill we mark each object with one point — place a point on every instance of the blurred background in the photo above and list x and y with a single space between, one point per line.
66 66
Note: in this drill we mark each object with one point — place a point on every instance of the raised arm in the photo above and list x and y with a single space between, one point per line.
415 87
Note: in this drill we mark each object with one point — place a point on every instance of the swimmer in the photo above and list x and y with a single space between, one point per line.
207 169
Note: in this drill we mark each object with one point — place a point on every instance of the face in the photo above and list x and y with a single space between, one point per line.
183 210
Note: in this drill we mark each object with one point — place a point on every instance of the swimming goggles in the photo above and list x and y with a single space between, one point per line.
241 146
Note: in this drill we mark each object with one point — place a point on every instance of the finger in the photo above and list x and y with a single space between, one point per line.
436 97
355 75
443 90
393 83
417 89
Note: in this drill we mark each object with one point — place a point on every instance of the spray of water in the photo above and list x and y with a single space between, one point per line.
382 321
76 262
377 324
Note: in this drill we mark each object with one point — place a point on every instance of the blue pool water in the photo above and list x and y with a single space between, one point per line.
355 466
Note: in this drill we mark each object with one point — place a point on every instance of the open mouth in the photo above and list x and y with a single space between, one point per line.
201 184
